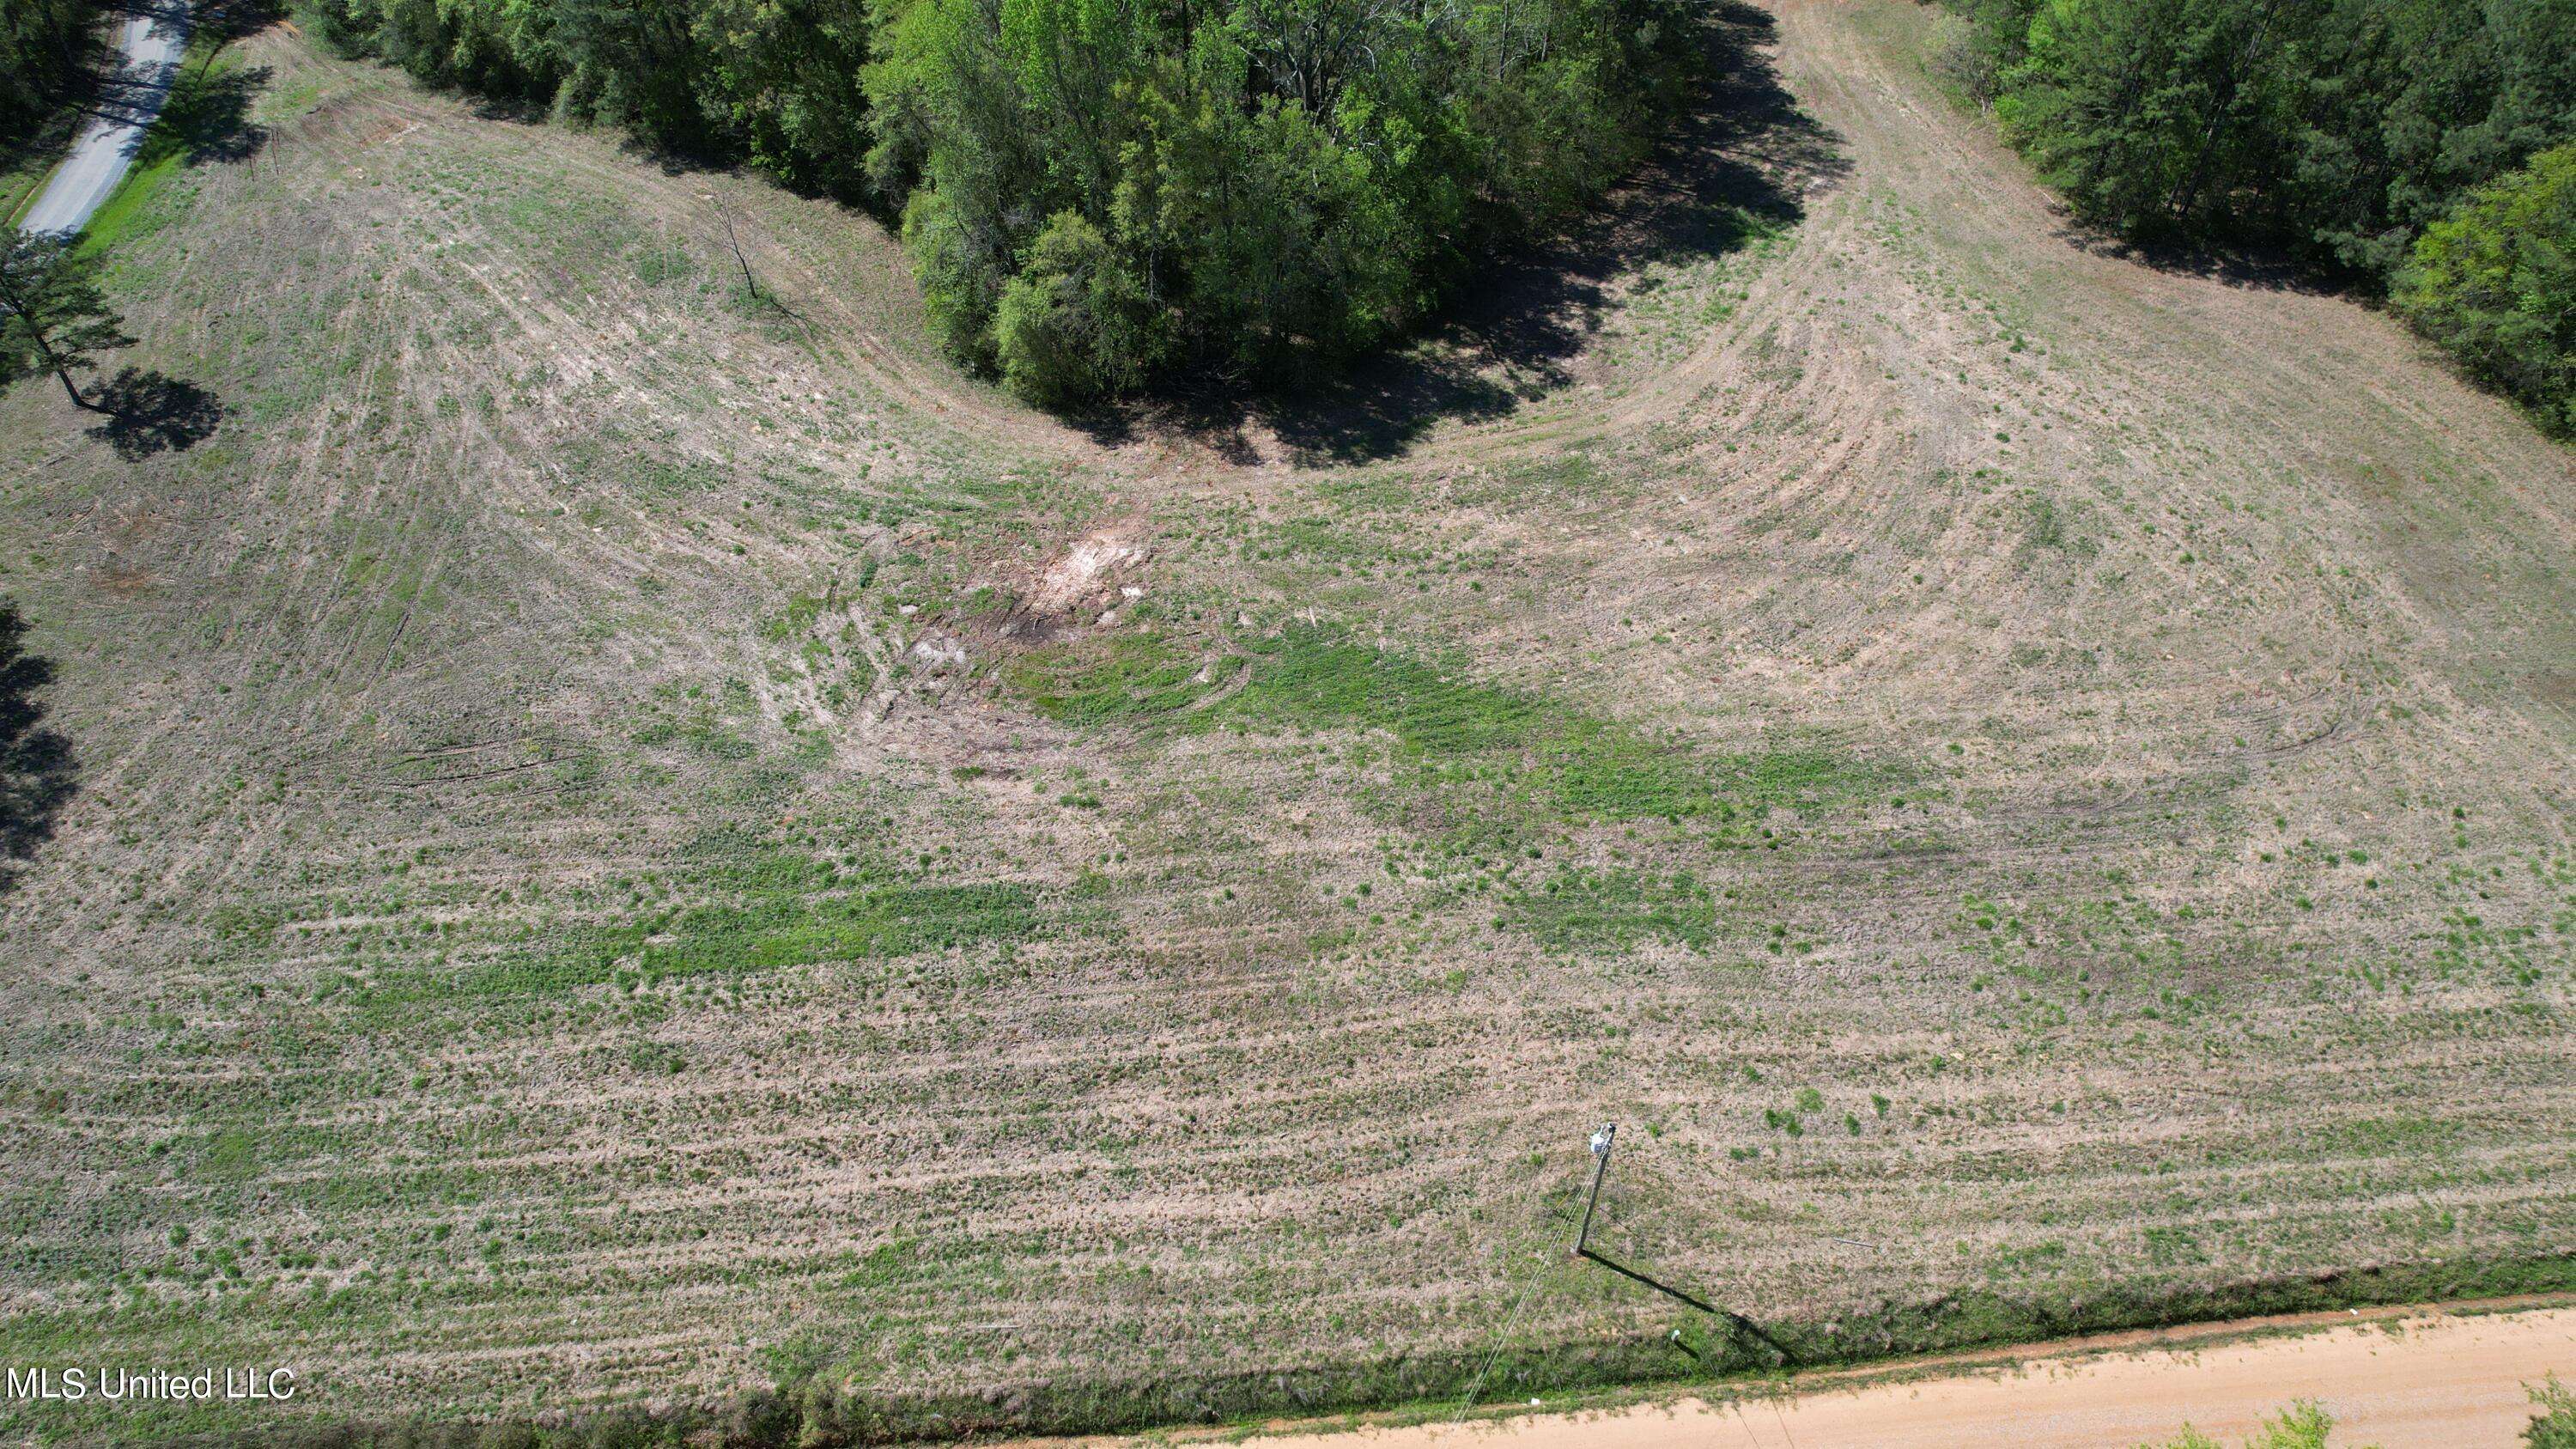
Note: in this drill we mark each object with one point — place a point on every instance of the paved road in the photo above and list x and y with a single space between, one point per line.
154 36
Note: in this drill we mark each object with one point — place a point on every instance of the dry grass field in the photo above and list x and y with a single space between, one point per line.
628 841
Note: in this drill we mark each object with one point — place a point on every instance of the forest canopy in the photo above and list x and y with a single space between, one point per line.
1105 195
44 45
2359 138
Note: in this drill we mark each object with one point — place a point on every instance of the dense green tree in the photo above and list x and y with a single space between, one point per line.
2142 110
2337 129
1100 193
638 63
52 316
782 82
1994 37
1255 180
2336 132
43 47
2496 285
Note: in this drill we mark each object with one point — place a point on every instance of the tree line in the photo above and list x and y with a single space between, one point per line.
2418 148
1103 196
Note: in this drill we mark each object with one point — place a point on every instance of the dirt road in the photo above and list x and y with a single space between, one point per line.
2413 1382
149 45
2399 1383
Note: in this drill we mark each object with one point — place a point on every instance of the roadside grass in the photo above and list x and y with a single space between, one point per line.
1558 1378
205 118
2301 1426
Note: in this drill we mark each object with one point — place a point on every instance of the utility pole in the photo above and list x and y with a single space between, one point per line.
1602 1141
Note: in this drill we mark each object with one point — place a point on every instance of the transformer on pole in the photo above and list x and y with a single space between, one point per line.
1601 1144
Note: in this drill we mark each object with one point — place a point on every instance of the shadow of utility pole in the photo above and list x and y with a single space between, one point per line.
1603 1143
1743 1326
1668 1290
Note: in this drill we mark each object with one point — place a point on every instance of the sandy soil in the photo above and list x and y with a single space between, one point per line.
2421 1382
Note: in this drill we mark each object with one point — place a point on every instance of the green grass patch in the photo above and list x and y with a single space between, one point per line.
1137 679
751 908
837 923
1617 910
1446 725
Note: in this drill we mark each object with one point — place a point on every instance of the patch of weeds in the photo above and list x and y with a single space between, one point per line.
2048 527
2554 1426
1138 678
1617 910
759 909
793 621
1533 749
2302 1426
2386 1137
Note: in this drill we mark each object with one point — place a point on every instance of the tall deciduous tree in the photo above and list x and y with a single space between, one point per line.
2496 284
2369 139
1102 193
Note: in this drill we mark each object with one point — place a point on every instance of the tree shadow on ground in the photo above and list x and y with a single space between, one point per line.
1740 163
231 20
123 91
152 412
206 116
210 114
36 767
2250 270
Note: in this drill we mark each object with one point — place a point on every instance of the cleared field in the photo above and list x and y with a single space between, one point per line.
631 841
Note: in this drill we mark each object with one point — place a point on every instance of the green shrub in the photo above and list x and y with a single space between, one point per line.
2301 1426
2496 286
1072 324
2554 1427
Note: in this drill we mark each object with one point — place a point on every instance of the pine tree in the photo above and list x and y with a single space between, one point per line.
52 315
